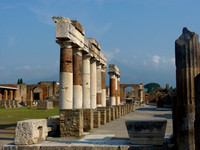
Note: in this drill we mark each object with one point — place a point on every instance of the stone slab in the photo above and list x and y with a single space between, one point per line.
146 132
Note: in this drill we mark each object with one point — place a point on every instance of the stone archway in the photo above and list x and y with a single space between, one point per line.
37 93
136 88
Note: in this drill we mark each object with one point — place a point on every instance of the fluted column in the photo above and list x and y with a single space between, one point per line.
86 81
103 86
77 79
99 90
66 76
112 89
93 83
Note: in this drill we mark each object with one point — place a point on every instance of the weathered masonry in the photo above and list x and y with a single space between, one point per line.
187 53
82 89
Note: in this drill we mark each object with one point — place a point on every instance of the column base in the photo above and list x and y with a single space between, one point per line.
71 123
112 113
97 118
88 120
103 115
108 113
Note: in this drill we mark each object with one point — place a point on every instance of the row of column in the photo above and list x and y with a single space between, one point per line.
82 79
11 96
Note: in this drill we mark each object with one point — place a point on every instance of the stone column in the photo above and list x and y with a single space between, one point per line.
77 79
187 53
11 95
93 83
86 81
118 90
15 95
103 81
112 89
99 91
5 96
66 76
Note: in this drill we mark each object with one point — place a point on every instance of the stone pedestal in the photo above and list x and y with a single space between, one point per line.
108 114
116 112
88 120
103 115
71 122
112 113
44 105
3 104
8 104
97 118
12 104
119 111
122 110
146 132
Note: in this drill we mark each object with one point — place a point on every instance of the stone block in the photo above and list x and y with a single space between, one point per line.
45 105
16 103
108 114
30 131
97 119
12 104
54 123
146 132
8 104
119 111
3 104
116 112
88 120
71 122
112 113
102 115
122 110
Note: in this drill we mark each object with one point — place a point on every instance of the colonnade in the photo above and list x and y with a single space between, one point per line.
82 67
114 73
8 94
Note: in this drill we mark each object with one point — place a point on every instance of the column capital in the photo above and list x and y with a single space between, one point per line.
77 51
64 43
87 55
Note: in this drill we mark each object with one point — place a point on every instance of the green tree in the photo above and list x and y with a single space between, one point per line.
20 81
151 87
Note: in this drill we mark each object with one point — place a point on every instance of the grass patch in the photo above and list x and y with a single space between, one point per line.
12 115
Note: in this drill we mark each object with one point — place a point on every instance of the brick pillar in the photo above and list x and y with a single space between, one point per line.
118 90
93 83
103 85
11 95
86 81
77 79
99 89
112 89
0 96
5 96
66 75
15 95
187 67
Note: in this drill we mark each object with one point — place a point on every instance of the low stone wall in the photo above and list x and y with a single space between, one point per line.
71 123
9 103
45 105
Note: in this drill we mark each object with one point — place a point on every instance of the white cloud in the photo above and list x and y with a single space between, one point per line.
110 54
26 67
158 61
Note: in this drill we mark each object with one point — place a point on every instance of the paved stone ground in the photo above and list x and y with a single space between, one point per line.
111 133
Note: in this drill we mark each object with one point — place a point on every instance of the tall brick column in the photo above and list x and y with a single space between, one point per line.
66 75
11 95
5 96
112 89
187 67
103 81
99 90
93 84
86 81
118 90
15 95
77 78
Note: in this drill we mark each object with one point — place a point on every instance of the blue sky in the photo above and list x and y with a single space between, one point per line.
136 35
